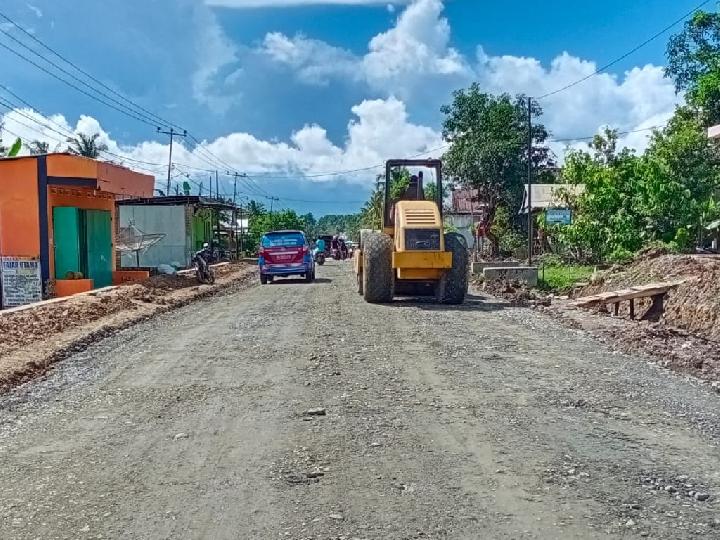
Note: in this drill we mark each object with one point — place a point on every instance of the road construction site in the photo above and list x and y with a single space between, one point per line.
297 410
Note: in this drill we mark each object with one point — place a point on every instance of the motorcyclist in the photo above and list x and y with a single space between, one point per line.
342 246
335 245
319 246
205 255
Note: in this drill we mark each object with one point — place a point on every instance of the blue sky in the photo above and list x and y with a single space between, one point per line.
297 91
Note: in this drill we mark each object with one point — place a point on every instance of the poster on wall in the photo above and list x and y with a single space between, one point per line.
20 281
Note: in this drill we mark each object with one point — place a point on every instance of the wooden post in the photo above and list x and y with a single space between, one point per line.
632 308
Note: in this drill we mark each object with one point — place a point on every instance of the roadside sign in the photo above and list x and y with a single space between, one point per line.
20 281
558 216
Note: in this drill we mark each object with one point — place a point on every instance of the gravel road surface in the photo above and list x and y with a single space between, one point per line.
297 411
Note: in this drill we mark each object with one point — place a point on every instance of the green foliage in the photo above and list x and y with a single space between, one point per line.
86 145
371 213
37 148
694 63
261 223
489 144
431 192
559 278
630 201
509 240
399 182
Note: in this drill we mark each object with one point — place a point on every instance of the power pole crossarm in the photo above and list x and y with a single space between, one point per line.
172 133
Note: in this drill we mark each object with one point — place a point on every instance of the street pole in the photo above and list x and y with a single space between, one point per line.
172 133
529 182
211 186
235 223
217 186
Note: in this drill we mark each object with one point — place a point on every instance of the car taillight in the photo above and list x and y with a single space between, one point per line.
305 250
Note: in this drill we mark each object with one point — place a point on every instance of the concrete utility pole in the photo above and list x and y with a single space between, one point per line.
529 182
271 202
238 238
172 134
217 186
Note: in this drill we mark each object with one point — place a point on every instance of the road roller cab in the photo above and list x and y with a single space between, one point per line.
412 254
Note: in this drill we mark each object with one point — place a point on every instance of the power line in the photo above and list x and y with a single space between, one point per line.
71 85
620 58
85 73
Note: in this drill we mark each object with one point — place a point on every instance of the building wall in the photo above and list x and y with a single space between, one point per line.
19 222
464 225
71 166
84 198
149 219
124 182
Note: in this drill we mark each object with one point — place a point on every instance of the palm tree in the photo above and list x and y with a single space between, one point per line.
87 146
371 213
37 148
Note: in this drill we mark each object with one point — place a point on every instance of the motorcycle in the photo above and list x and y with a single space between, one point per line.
320 258
203 272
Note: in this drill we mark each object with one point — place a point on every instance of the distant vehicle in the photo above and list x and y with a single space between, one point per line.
328 241
285 254
201 261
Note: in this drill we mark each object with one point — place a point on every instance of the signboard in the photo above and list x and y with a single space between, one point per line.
558 216
20 281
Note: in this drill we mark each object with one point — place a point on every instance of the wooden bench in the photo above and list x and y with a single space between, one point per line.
655 291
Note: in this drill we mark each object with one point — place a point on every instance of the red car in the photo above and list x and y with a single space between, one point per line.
285 253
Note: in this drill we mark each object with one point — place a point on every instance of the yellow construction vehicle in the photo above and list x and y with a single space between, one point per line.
412 255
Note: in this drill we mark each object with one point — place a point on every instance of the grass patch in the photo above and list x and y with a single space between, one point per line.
561 278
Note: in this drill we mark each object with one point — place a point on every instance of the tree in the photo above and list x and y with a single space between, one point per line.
13 150
666 195
371 213
86 145
37 148
694 63
488 152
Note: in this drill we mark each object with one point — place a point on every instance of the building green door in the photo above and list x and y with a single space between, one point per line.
66 238
99 247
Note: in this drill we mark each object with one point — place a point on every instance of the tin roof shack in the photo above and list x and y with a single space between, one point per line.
466 211
168 230
546 196
57 210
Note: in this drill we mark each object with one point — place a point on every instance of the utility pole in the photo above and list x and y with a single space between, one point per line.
172 134
211 182
529 182
271 202
217 186
238 238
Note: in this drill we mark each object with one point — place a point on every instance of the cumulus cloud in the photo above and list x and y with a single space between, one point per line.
412 55
415 61
629 102
313 60
380 129
215 53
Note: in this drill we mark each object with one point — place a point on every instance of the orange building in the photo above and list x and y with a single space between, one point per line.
59 209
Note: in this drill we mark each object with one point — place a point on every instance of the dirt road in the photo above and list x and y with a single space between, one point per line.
480 421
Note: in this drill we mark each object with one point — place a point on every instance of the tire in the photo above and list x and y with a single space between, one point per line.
453 286
263 279
378 279
308 277
210 276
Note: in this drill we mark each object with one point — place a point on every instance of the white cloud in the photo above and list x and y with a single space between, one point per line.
629 102
215 52
415 61
313 60
411 56
36 10
379 130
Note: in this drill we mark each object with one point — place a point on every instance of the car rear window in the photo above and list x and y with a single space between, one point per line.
283 240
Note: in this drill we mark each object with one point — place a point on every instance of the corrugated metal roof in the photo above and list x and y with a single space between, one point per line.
547 195
466 201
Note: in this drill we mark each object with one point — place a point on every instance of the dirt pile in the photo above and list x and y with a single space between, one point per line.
31 339
694 306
